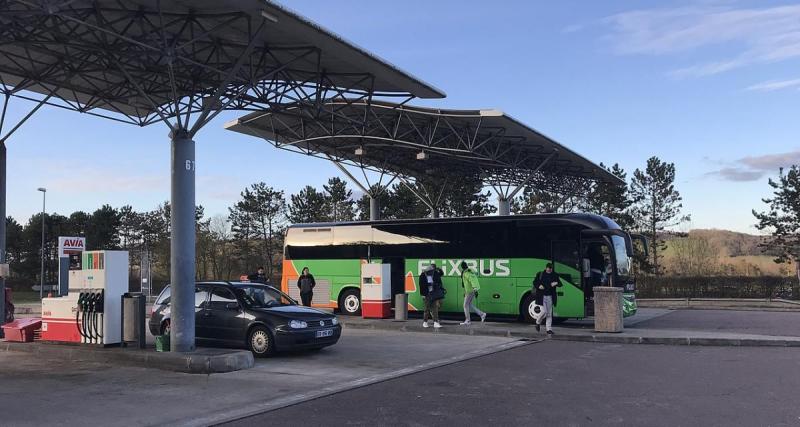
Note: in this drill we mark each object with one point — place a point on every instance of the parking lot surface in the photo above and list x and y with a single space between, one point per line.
735 321
48 392
556 383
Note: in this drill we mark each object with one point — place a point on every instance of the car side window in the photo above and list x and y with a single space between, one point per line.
220 298
200 296
164 297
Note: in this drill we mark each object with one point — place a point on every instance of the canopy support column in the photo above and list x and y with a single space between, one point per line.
503 206
2 231
371 190
7 93
182 242
506 192
424 196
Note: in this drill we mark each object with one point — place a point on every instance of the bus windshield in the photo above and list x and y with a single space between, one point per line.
621 254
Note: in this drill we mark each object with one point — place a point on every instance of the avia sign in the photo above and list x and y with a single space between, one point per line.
70 245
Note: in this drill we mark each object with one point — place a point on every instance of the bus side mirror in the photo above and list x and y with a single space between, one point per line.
586 267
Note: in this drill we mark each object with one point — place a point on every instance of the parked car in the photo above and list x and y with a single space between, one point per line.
255 316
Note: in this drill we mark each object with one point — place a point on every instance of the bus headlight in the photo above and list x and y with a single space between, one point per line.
335 321
298 324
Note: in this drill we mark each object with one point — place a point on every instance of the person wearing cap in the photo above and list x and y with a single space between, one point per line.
545 285
432 291
469 281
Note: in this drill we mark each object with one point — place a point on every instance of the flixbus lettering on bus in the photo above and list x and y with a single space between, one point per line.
483 267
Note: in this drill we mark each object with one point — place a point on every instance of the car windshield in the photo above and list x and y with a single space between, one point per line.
254 296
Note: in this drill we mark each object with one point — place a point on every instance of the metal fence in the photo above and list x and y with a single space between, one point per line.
770 287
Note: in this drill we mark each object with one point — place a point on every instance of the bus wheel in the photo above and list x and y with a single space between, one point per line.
350 302
526 308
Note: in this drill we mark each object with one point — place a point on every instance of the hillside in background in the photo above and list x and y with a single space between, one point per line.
720 252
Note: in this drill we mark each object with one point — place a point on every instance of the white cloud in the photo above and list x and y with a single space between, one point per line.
752 168
757 35
772 85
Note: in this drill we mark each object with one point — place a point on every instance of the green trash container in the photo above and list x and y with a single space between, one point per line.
162 343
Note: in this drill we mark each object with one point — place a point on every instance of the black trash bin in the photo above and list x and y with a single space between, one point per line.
133 319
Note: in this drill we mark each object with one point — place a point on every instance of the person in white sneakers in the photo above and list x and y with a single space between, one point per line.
432 291
469 281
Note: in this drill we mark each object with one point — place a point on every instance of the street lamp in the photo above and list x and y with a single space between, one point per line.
41 271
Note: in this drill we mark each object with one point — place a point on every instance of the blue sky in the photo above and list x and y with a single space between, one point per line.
712 86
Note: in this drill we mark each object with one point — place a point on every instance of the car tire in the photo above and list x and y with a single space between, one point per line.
350 302
525 308
260 342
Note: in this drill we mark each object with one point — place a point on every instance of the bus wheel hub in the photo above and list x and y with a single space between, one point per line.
351 303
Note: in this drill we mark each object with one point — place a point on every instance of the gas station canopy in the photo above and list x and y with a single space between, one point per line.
416 142
149 60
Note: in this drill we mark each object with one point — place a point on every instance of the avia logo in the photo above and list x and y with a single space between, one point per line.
73 243
482 267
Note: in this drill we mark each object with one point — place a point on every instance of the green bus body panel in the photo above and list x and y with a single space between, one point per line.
502 288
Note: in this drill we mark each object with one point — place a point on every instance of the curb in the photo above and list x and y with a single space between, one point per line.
591 337
205 361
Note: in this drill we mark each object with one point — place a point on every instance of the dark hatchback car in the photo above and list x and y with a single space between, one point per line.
258 317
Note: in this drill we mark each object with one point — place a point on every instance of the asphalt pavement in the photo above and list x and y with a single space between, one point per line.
37 391
727 321
574 384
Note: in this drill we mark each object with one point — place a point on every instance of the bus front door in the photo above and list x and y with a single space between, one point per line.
566 262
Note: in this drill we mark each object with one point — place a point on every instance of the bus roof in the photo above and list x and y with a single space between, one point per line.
588 220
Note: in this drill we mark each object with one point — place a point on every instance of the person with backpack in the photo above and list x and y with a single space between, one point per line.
469 281
306 285
433 292
545 285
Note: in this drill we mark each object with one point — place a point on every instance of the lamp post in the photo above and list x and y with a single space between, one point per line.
41 271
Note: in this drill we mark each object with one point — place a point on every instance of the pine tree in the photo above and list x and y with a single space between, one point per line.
657 205
261 216
782 220
339 200
309 205
611 200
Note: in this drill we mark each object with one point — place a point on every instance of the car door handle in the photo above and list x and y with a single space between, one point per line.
208 314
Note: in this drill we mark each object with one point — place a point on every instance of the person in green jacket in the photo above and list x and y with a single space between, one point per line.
469 280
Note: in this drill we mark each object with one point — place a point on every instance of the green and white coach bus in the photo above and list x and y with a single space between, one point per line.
505 251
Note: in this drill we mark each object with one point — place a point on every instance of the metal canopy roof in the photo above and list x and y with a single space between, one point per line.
384 136
134 58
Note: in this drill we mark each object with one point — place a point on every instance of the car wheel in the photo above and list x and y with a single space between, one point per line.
350 302
165 328
526 308
260 342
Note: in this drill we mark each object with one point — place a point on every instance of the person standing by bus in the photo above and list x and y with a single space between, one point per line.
469 281
306 285
546 296
432 291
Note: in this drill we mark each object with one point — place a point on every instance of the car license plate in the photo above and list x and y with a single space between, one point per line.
325 333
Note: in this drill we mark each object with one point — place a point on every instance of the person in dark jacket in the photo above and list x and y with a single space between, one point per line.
545 285
259 276
306 285
432 291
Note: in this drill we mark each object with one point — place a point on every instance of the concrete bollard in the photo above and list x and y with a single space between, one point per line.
607 309
401 307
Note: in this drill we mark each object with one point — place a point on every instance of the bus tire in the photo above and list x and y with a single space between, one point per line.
525 307
350 302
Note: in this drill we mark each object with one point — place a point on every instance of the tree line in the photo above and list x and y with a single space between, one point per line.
251 234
